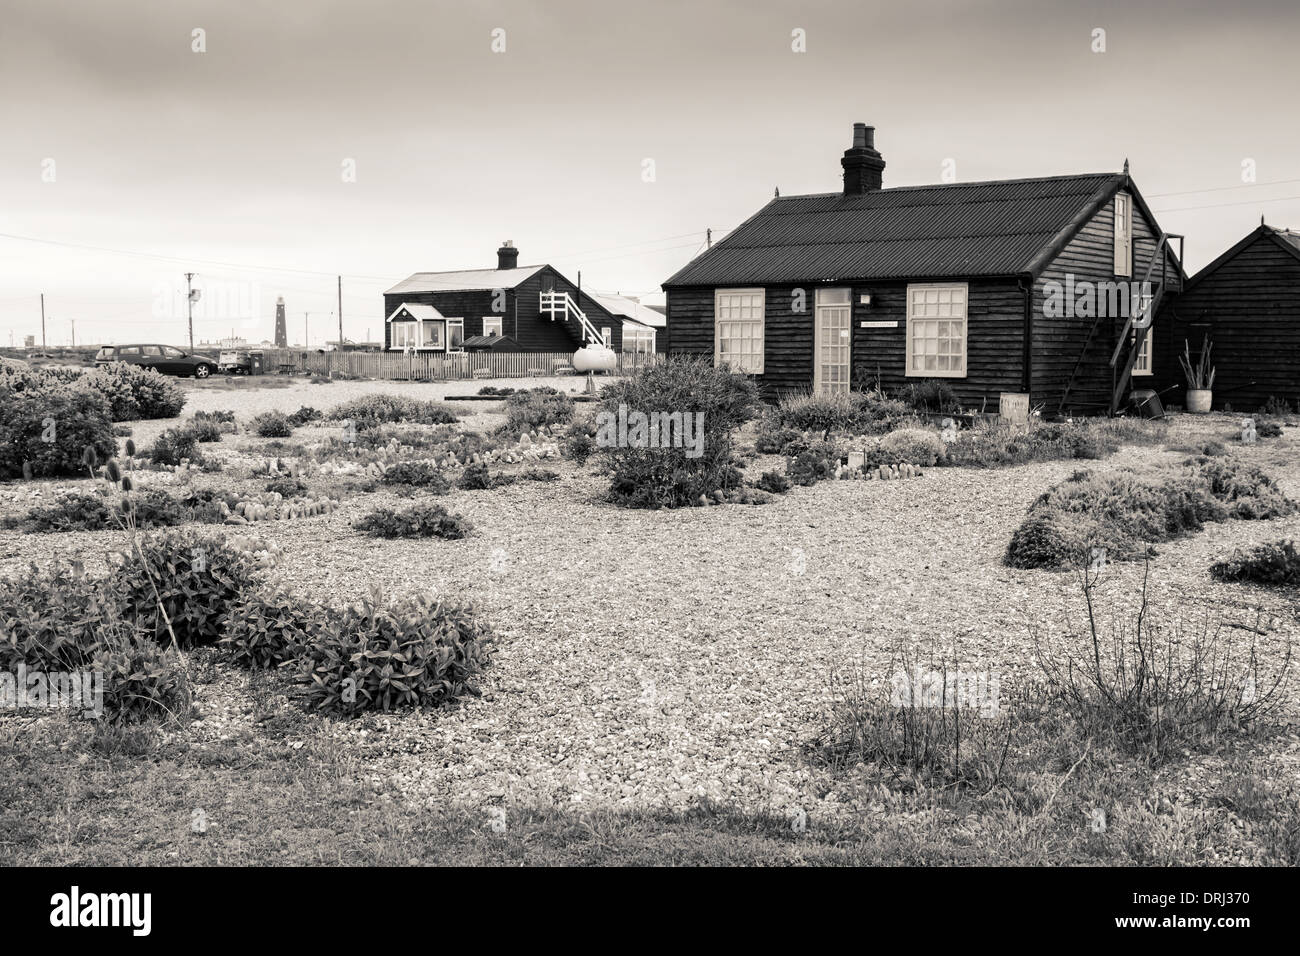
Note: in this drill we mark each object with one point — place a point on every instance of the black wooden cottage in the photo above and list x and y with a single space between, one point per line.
535 306
1248 302
1023 286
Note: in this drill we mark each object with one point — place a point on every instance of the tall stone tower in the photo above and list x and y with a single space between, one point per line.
281 329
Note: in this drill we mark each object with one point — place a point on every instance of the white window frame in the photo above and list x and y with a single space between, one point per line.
498 320
455 322
731 301
1123 234
607 336
839 297
915 321
1142 360
410 329
426 341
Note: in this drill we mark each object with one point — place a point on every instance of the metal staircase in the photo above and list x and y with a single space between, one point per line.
560 305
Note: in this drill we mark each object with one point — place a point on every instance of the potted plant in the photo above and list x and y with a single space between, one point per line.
1200 377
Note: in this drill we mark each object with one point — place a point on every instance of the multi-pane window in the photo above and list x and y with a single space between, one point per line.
1142 361
1123 235
607 336
455 335
832 340
404 335
738 329
936 330
492 325
432 334
638 341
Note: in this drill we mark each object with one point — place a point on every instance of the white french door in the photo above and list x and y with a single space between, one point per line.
832 340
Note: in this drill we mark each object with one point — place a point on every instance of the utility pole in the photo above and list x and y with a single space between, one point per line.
189 304
305 338
340 321
74 332
708 237
42 321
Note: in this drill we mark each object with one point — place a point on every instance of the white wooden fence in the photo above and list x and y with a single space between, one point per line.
435 366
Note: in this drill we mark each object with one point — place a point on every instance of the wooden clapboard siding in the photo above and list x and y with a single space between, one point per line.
995 329
1249 305
1058 342
437 366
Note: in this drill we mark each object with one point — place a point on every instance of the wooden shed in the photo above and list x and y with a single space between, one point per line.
1248 302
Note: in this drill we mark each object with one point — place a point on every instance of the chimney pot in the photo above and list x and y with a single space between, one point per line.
507 255
863 165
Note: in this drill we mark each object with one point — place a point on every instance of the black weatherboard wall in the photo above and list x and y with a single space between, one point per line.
1248 302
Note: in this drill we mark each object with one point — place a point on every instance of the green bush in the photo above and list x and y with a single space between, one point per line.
44 431
304 415
816 463
68 511
816 413
1276 564
204 430
495 391
419 474
372 410
287 487
419 652
673 477
915 446
773 438
538 474
579 442
198 577
423 520
268 628
134 392
536 408
1003 445
271 425
174 446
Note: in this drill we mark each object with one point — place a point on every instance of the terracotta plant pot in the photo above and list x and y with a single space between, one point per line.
1198 400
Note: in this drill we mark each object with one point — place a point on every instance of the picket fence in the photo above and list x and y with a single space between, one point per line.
427 366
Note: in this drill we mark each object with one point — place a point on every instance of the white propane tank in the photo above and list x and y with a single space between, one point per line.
594 358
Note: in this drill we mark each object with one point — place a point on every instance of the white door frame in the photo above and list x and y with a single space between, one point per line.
827 308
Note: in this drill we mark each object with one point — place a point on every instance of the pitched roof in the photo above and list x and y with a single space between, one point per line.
466 280
1288 240
417 311
631 309
1003 227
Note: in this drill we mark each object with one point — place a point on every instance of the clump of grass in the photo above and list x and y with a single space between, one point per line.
423 520
1154 688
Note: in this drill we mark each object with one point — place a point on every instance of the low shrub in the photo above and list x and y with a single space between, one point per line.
537 408
494 390
67 511
773 482
714 400
1124 512
1265 429
422 520
196 577
538 474
1002 445
269 627
418 652
205 430
304 415
915 446
286 486
271 425
134 392
1276 564
579 442
1276 406
477 478
44 431
930 397
372 410
816 463
174 446
420 474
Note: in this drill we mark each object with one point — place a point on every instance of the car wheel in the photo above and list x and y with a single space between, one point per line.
202 371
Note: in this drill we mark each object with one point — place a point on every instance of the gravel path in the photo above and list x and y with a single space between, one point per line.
654 658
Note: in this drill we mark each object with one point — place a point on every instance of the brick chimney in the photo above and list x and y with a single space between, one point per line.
507 255
862 164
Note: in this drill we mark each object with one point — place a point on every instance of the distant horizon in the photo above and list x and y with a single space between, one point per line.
602 139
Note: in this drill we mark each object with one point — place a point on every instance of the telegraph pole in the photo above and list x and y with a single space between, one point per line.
340 321
42 321
74 332
189 304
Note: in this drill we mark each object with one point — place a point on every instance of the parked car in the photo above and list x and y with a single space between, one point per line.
165 358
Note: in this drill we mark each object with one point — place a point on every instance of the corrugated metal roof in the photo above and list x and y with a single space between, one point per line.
631 309
958 229
467 280
417 311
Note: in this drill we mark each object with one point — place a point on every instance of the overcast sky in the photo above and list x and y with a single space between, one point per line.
230 163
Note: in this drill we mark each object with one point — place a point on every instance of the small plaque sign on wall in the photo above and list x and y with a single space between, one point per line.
880 324
1014 408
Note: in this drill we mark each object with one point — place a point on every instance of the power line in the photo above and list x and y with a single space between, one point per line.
1218 189
1220 205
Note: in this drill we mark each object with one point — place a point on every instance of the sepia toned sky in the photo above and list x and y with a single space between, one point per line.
128 159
